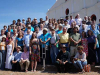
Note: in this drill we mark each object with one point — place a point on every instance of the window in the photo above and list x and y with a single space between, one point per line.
93 17
67 11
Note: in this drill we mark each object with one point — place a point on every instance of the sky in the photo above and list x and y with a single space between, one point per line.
18 9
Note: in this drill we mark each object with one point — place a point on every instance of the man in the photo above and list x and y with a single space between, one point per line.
75 39
67 19
70 30
38 32
29 27
24 60
84 27
71 20
9 30
66 25
64 38
35 23
93 23
54 46
19 29
13 24
41 22
44 39
89 21
78 20
60 29
63 60
95 31
2 35
5 28
26 39
14 36
86 19
46 21
16 58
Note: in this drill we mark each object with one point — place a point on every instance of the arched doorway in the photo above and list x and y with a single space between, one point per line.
93 17
67 11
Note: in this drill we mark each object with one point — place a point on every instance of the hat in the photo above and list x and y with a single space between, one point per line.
23 19
60 25
45 29
53 29
64 46
35 18
19 47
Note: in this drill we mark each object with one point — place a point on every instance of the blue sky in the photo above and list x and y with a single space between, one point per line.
19 9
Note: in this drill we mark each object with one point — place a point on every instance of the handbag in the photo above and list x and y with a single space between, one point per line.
87 68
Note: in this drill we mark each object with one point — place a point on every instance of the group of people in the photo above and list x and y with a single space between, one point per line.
57 41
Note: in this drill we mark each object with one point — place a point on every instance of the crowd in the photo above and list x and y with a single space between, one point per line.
61 42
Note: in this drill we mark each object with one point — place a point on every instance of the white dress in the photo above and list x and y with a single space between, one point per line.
8 57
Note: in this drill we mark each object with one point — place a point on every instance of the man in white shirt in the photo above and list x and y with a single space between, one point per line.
26 39
66 25
71 20
54 45
78 20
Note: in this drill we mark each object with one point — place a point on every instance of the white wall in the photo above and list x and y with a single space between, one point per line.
75 6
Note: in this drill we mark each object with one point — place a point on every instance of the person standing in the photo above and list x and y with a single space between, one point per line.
2 53
92 41
64 38
19 40
10 48
26 39
2 34
75 39
44 39
34 51
54 46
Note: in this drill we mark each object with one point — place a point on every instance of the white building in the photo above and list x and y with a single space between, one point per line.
83 7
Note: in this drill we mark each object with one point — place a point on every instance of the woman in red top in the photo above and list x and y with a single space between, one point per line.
85 43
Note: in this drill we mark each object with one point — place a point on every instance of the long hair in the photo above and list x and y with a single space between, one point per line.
91 33
33 37
84 34
19 34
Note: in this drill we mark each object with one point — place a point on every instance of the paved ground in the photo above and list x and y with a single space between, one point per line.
51 71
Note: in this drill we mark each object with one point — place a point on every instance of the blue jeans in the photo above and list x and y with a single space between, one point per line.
2 59
79 64
53 53
27 48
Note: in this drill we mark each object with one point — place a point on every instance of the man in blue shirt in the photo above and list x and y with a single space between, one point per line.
15 59
29 27
44 39
60 29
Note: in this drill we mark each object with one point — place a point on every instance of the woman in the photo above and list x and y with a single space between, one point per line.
10 48
80 59
19 40
84 43
92 41
34 51
2 53
8 35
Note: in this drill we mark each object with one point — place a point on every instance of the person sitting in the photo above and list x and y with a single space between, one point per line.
80 59
16 58
63 59
25 60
